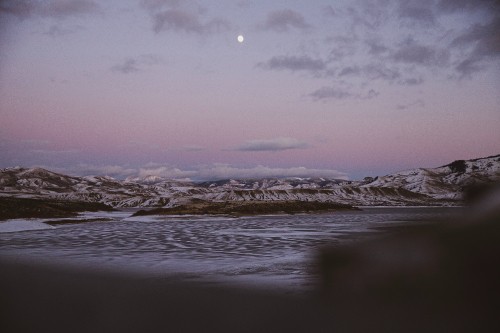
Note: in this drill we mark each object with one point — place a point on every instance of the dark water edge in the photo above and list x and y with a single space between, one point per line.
16 208
248 208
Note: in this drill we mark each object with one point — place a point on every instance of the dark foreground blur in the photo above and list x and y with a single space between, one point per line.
441 277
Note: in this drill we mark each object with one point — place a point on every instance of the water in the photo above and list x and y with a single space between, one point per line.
261 251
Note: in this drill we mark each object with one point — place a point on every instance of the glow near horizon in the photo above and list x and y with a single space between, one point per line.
94 87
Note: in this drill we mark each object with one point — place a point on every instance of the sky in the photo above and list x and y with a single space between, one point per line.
339 89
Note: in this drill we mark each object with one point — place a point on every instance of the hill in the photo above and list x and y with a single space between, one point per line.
444 185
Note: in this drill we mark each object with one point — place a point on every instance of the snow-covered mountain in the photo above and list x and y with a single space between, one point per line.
446 182
434 186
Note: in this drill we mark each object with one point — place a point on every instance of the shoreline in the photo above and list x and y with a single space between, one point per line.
82 217
433 206
247 208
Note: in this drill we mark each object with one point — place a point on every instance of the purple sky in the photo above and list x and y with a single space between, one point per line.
317 88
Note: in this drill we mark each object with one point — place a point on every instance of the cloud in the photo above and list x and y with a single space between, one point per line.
176 20
131 65
376 48
468 52
64 8
277 144
215 171
21 9
401 42
166 172
483 41
418 103
180 20
471 48
56 31
416 11
159 4
226 171
294 63
451 6
326 93
182 16
469 66
375 71
83 170
371 71
115 171
150 59
412 81
330 93
368 14
284 20
329 11
128 66
59 9
370 94
343 47
483 34
411 52
349 70
187 148
320 68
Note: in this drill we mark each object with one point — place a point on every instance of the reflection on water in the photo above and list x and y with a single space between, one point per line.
261 251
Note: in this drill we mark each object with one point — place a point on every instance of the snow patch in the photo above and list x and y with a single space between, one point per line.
23 225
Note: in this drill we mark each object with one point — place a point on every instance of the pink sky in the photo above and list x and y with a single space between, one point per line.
328 87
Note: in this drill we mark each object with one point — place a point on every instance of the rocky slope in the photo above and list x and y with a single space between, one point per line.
444 185
446 182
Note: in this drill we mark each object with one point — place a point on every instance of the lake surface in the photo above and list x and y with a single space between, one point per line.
260 251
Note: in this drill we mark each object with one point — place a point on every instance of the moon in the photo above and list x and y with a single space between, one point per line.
240 38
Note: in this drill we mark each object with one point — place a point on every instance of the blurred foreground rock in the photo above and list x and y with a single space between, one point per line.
430 278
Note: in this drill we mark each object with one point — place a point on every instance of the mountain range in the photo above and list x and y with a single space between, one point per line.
439 186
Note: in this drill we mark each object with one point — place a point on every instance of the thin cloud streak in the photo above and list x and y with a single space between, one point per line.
326 93
226 171
417 11
293 63
330 92
452 6
59 9
274 145
418 103
215 171
176 16
412 52
179 20
484 40
284 21
131 65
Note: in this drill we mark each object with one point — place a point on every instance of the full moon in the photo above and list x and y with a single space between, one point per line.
240 38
